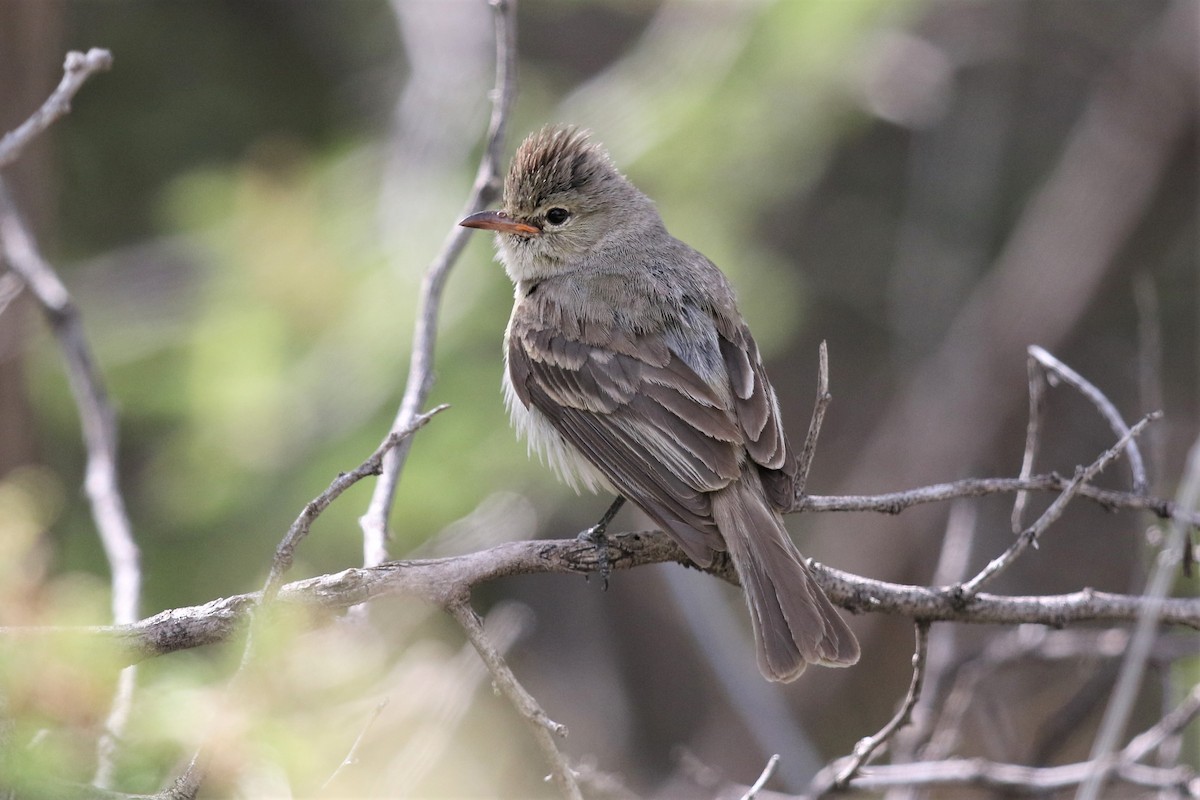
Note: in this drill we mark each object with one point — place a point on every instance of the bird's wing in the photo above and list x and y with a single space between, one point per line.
635 409
758 417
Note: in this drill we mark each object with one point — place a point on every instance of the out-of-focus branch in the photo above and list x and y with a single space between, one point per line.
77 68
544 729
10 289
1130 679
420 370
96 415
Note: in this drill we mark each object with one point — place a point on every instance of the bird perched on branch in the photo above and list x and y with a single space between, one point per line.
630 368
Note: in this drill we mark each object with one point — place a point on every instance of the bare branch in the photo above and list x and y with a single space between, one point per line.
420 371
96 416
77 68
1170 725
439 580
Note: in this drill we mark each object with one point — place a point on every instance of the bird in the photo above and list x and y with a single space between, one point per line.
630 370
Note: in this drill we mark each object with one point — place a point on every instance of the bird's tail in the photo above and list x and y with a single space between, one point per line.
794 623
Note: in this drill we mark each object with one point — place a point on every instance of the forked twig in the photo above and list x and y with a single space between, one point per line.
1030 535
285 552
1085 387
77 68
895 502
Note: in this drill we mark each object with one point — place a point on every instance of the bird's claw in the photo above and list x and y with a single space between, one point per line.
597 537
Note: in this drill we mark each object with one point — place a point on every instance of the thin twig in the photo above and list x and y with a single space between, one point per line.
544 729
96 416
77 68
818 417
1129 681
374 521
895 502
765 776
1030 535
867 747
352 755
1037 398
1103 405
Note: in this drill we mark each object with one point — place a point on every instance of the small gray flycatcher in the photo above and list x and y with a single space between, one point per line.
631 370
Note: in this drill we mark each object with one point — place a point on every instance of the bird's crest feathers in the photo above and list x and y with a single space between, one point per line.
557 158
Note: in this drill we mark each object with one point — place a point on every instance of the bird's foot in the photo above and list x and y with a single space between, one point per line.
598 538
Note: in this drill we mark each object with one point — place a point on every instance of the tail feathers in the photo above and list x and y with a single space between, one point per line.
794 623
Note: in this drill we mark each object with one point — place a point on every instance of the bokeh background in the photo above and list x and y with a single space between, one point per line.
243 208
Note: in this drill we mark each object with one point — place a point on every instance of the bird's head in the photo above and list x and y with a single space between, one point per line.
563 199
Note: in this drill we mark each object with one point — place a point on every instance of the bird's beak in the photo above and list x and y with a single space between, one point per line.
499 221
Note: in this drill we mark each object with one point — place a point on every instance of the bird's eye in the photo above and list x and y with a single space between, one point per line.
557 216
